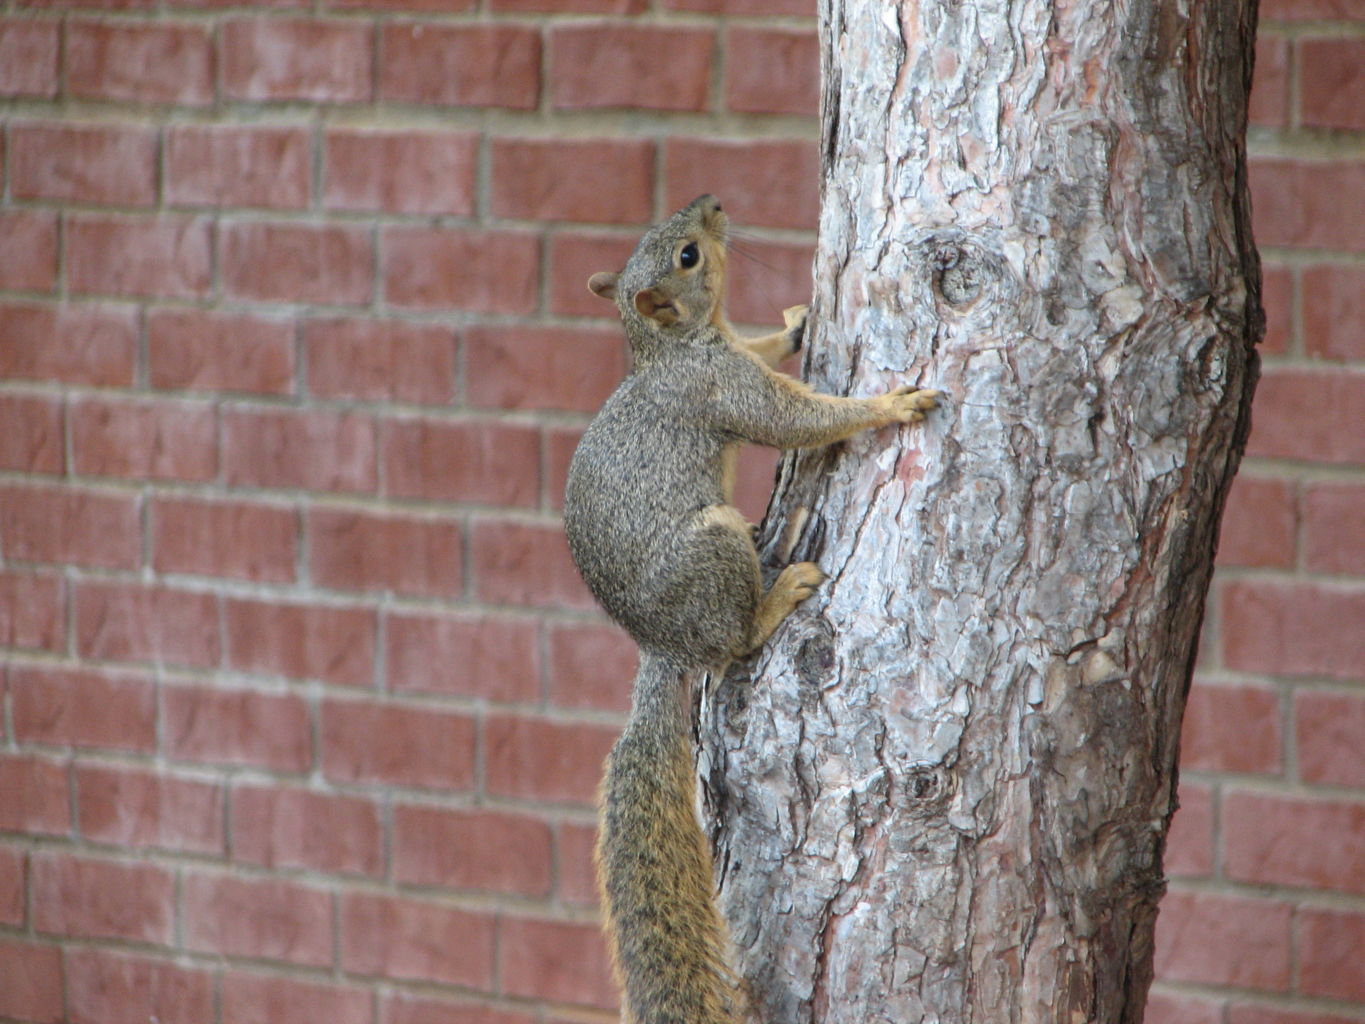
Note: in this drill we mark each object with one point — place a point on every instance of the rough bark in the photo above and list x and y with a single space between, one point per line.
942 793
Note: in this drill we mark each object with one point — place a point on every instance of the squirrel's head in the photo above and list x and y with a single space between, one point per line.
675 279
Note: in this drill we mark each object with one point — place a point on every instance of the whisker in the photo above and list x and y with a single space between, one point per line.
751 256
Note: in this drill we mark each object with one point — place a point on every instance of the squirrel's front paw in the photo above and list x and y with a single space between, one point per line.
798 581
909 404
795 318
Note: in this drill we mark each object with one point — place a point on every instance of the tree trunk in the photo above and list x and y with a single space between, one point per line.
942 793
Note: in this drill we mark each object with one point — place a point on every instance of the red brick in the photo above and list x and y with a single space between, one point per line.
1334 311
1331 80
654 67
474 656
31 982
232 165
472 849
84 163
101 899
296 59
540 759
1277 296
438 6
311 449
577 882
559 448
1299 414
266 919
1288 629
482 463
139 63
235 539
28 260
1189 844
380 360
85 344
578 7
461 65
1263 841
1334 528
1309 10
1247 1014
32 439
471 271
144 810
28 57
556 960
254 998
105 987
1223 940
531 181
33 795
1330 943
1268 105
590 666
1328 730
575 258
335 645
275 262
1302 204
1232 729
1259 524
133 622
518 564
403 746
70 527
796 8
420 940
763 183
202 351
281 827
570 368
401 172
145 440
211 4
1165 1008
405 554
32 611
542 367
113 5
398 1008
773 71
82 709
237 727
13 886
162 256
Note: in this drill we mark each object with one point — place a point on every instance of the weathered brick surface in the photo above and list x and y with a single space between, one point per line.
302 703
401 172
169 63
34 438
226 166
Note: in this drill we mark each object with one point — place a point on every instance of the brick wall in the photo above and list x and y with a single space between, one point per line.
303 702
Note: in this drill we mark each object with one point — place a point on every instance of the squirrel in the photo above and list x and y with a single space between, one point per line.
655 536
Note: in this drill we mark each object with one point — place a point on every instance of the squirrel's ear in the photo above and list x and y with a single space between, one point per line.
604 284
652 303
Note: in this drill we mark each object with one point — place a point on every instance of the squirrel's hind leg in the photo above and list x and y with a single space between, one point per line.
796 583
793 585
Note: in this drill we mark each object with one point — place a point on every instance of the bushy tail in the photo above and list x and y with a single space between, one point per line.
654 866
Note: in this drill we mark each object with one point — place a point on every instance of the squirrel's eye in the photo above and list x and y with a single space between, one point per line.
690 256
